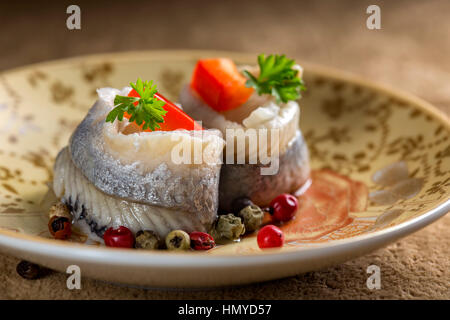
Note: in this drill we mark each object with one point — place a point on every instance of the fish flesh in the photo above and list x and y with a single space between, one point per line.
110 176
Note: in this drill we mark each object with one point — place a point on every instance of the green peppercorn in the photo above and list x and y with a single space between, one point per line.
229 226
252 216
178 240
28 270
216 235
147 239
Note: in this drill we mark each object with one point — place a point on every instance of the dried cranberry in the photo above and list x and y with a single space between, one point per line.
121 237
270 236
284 207
201 241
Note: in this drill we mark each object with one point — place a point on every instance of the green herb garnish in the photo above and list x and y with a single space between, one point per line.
276 77
148 109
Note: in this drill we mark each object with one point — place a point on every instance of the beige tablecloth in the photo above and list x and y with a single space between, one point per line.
411 51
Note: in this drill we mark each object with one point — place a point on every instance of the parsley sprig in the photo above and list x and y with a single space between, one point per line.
277 77
148 110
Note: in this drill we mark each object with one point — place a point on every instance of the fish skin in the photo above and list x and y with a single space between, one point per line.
195 191
245 180
101 211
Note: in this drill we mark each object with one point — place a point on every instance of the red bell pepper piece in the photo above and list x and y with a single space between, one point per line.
220 84
174 119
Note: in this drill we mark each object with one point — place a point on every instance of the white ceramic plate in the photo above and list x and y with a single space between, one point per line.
352 126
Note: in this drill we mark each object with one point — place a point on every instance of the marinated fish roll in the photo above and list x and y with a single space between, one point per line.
120 173
219 97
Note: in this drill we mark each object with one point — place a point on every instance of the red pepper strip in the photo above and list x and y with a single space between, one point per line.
220 84
174 119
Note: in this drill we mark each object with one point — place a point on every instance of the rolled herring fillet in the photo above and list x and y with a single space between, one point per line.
259 112
138 180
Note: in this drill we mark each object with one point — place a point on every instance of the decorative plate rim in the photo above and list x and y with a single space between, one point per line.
82 252
176 54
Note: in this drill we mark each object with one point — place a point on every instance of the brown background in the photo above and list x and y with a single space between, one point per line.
411 52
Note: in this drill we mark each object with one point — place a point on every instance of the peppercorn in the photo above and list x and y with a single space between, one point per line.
28 270
270 236
178 240
229 226
216 235
122 237
147 239
240 203
252 216
60 227
59 210
201 241
284 207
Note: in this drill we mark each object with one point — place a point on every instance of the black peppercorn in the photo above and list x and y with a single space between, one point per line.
28 270
240 203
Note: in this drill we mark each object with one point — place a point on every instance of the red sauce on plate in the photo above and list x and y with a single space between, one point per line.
324 205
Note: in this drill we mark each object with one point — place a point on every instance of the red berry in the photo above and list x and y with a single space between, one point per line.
270 236
121 237
201 241
284 207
